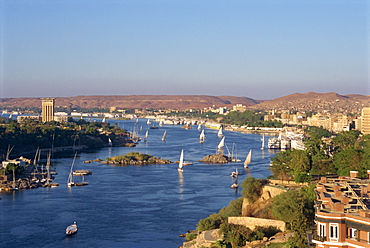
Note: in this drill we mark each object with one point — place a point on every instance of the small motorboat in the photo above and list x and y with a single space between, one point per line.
71 229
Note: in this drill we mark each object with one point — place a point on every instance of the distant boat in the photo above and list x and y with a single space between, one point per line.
235 184
220 133
146 135
235 173
164 135
153 127
110 142
181 161
202 137
222 143
104 119
70 182
234 155
71 229
199 127
148 122
161 123
248 159
263 142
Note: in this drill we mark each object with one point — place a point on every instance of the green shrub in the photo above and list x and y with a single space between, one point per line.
190 236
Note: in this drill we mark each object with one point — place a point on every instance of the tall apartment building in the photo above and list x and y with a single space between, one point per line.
47 109
365 121
342 212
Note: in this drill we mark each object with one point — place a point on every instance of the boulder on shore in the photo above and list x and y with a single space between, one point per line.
215 158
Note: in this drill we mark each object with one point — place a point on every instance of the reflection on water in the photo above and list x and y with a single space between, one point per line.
131 206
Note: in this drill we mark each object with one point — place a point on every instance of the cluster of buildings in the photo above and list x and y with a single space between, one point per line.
342 214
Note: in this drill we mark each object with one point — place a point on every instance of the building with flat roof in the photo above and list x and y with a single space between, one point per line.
365 121
47 109
342 214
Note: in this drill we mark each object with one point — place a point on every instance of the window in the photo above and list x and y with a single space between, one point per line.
352 233
321 229
333 231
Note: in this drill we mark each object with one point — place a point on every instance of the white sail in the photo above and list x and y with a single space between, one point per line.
263 142
70 176
146 134
248 159
199 127
164 136
148 122
202 136
110 142
181 161
222 143
220 133
101 120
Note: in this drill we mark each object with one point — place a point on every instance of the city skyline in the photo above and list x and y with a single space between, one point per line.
257 49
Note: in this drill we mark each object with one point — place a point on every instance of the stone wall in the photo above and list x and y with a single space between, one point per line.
252 222
286 182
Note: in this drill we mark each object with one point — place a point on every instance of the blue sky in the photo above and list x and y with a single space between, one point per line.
261 49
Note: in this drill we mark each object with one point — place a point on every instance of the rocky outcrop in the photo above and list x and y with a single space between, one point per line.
215 158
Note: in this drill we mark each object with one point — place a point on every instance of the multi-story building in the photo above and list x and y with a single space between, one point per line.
365 121
47 109
342 212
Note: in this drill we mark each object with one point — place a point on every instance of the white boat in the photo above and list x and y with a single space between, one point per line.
148 122
220 133
110 142
104 119
181 161
235 184
202 137
248 159
234 156
222 143
71 229
146 135
70 182
263 142
199 127
164 135
235 173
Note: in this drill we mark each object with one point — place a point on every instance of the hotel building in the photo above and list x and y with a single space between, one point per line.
342 212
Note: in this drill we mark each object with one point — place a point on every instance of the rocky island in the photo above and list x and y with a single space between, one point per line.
215 158
134 158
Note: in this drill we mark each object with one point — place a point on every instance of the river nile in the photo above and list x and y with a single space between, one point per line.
133 206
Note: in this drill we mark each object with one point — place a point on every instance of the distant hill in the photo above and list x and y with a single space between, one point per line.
135 101
312 101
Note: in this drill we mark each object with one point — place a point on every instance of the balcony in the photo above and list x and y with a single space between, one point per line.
318 238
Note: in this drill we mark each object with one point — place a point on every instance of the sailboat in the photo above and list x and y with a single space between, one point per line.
104 119
146 135
263 142
235 184
234 155
148 122
110 142
70 182
248 159
199 127
164 135
181 161
221 144
220 133
202 137
235 173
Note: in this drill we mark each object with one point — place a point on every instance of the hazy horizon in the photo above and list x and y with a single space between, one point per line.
257 49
